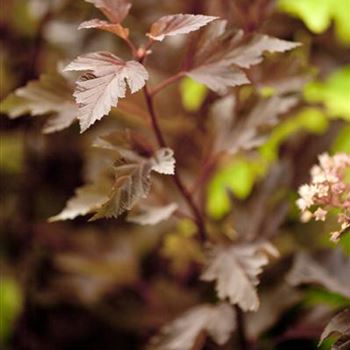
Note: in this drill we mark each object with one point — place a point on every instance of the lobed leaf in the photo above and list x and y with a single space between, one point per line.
235 270
132 182
234 135
218 77
87 199
114 28
330 271
177 24
152 215
217 321
164 162
114 10
51 94
220 54
98 90
251 53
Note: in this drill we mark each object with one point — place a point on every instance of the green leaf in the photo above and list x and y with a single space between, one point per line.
319 14
310 119
192 94
316 296
339 328
12 149
10 305
239 177
345 244
333 93
327 344
342 142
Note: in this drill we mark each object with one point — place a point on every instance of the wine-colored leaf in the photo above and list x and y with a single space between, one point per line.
339 327
114 28
114 10
127 144
149 215
235 270
234 134
330 270
217 321
51 94
87 199
133 182
251 53
99 89
218 77
208 66
219 55
177 24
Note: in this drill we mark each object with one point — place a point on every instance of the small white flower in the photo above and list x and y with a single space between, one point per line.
328 189
320 214
306 216
301 204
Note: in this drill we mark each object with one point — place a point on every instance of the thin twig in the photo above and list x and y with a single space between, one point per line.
205 172
131 46
166 82
177 180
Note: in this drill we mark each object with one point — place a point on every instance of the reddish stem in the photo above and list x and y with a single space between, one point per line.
177 180
166 82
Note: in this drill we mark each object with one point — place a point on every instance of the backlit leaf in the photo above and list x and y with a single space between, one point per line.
177 24
251 53
51 94
149 215
114 10
235 270
164 161
87 199
99 89
218 77
219 55
114 28
217 321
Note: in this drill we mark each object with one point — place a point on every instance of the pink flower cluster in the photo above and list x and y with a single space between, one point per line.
329 189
